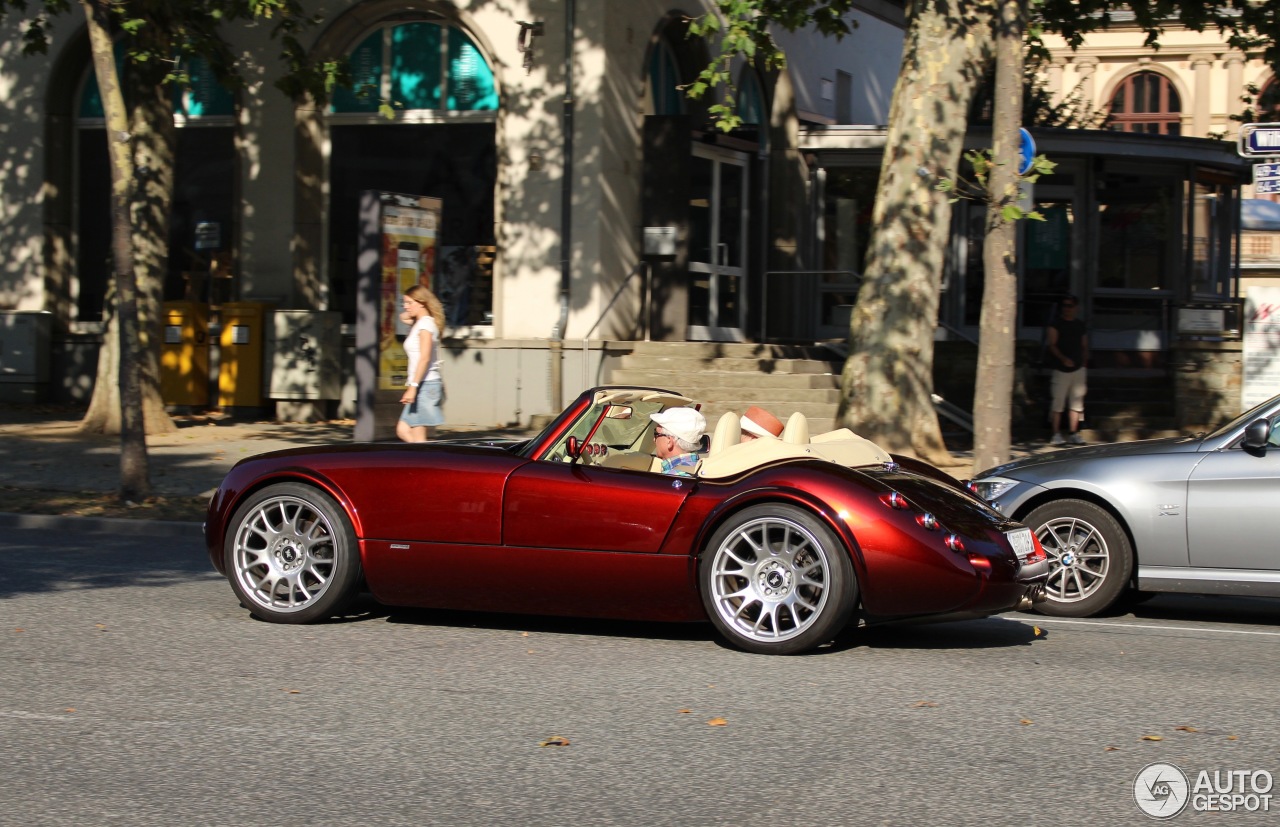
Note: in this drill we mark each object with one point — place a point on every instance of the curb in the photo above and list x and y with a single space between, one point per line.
103 525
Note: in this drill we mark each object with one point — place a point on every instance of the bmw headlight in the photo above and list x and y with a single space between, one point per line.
992 488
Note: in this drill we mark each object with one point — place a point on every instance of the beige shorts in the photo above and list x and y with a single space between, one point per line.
1068 390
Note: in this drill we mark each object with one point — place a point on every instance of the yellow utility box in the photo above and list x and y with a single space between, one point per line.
184 355
240 353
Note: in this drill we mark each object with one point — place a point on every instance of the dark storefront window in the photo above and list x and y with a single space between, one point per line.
203 192
1137 232
455 163
1047 248
1212 235
441 144
848 199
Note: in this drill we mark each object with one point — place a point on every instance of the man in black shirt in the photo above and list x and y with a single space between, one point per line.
1069 348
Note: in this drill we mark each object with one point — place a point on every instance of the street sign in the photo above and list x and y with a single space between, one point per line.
1266 179
1026 151
1259 140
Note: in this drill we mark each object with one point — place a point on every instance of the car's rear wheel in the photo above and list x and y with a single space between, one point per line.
776 581
1090 557
291 554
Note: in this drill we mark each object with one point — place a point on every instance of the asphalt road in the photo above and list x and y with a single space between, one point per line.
135 691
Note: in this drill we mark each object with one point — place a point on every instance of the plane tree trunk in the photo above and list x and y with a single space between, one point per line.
993 388
887 383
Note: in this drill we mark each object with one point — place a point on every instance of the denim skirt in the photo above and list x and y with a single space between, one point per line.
425 411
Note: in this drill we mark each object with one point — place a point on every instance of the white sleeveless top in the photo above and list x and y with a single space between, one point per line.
413 348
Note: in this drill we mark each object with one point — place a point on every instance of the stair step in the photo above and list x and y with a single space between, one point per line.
725 364
722 379
733 350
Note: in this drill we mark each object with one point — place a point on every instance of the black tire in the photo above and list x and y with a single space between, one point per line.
291 554
795 597
1090 557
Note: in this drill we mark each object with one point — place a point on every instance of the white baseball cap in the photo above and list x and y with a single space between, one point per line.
685 423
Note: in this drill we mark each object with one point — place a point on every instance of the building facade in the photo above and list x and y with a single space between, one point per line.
566 157
553 133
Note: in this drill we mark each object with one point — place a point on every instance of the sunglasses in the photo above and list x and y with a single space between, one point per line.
658 433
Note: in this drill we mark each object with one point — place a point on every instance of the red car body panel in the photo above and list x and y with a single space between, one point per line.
487 528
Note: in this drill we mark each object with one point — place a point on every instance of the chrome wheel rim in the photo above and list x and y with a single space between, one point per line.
770 579
284 555
1079 559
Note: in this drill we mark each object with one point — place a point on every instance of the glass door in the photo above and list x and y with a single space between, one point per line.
717 245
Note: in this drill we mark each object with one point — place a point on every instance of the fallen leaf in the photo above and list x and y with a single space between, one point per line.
19 630
69 709
717 722
99 626
1185 729
919 704
524 634
528 651
1112 749
1232 738
291 691
684 711
1152 737
554 741
1037 630
1026 721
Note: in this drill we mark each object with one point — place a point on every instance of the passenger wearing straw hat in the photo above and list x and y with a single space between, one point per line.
757 423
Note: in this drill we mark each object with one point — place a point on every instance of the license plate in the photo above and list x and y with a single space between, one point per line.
1021 541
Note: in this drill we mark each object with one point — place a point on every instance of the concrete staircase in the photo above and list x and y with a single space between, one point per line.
724 376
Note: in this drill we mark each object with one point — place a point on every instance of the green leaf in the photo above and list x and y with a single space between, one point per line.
1011 212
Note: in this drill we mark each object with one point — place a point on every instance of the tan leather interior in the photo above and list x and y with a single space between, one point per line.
728 432
797 430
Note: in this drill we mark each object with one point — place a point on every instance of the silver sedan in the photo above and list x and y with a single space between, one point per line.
1184 514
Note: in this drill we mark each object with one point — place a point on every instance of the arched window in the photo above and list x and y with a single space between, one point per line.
418 68
664 80
201 223
1146 102
1269 103
751 100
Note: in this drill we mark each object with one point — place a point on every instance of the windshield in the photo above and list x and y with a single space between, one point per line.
624 426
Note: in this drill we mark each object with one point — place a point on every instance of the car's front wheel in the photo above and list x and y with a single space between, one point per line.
1090 557
776 581
291 554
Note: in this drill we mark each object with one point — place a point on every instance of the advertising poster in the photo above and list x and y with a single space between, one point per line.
409 247
1261 346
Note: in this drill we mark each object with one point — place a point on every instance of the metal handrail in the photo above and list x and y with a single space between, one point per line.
957 333
641 267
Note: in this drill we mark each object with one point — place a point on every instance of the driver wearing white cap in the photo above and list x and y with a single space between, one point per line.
677 439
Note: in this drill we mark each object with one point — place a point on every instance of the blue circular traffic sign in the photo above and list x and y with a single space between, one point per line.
1026 151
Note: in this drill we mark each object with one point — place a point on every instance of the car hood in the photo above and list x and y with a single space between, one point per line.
1067 456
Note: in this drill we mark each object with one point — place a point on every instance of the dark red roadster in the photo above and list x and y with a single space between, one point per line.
780 542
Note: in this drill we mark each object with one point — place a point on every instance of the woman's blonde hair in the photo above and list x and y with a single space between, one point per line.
427 299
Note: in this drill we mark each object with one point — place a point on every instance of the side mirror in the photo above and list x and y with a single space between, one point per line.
1256 433
573 448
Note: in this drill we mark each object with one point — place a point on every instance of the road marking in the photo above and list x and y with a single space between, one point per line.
1060 621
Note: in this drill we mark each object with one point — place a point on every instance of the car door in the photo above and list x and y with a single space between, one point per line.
1230 497
561 505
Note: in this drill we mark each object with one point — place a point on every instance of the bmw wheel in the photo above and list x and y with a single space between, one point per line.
1090 557
292 554
776 581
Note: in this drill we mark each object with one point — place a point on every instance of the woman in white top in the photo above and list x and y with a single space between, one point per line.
424 392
